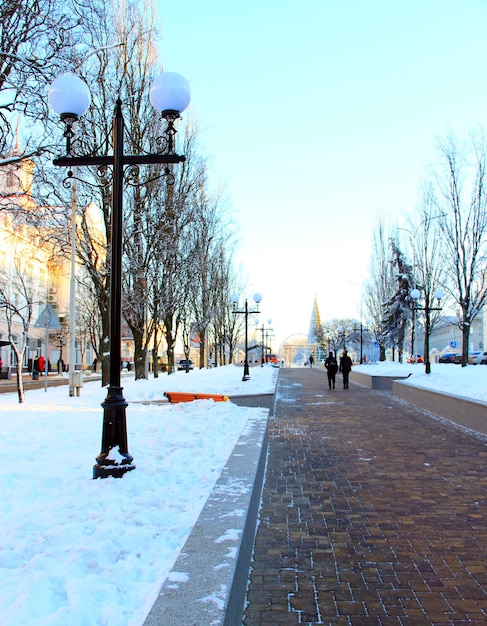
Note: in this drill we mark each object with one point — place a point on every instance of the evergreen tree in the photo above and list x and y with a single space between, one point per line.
397 309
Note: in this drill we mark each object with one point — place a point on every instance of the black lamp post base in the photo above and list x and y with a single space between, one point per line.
114 437
106 468
246 372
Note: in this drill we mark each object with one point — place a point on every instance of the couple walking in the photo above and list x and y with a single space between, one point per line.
332 367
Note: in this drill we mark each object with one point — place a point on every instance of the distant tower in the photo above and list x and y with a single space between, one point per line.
315 333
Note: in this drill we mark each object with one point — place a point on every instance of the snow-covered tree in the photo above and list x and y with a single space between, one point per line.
380 286
397 309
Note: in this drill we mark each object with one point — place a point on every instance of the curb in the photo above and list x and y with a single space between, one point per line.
208 582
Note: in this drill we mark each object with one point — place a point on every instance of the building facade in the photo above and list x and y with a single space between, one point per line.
33 279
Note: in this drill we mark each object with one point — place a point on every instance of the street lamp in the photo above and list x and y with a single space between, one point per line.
246 312
362 331
263 343
415 295
268 339
70 97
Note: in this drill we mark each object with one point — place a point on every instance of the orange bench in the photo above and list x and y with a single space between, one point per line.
185 396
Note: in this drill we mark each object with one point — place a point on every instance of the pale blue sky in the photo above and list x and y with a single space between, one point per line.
318 116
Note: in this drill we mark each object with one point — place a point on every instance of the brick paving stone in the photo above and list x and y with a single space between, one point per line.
372 513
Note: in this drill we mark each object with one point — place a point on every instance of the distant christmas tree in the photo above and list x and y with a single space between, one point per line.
315 333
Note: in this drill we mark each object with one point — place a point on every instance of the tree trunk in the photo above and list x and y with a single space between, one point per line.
202 352
20 382
140 353
155 352
170 355
465 338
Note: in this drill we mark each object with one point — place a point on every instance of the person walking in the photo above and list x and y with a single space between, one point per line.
345 367
331 369
311 360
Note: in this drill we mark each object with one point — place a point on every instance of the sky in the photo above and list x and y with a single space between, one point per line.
319 117
74 550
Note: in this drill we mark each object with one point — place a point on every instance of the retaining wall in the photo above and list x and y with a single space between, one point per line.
374 382
471 414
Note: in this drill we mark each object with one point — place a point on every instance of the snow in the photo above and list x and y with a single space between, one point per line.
95 552
74 550
450 378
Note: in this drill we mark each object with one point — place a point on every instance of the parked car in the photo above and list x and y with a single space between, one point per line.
451 357
182 364
477 356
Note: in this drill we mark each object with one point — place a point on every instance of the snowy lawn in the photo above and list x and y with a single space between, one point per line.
81 552
467 381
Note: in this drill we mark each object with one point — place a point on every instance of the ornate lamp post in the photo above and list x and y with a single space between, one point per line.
360 328
268 338
263 330
69 96
246 312
415 295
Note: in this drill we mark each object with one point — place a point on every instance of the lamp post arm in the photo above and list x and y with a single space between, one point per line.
129 159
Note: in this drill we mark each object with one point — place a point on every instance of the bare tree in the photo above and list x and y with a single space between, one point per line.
17 301
223 319
425 246
211 240
379 288
461 203
105 70
338 334
37 37
172 260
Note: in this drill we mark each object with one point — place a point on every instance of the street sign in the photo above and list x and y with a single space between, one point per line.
453 344
48 319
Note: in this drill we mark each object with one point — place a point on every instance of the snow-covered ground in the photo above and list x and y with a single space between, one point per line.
80 552
467 381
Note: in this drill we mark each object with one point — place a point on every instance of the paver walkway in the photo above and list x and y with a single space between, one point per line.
373 513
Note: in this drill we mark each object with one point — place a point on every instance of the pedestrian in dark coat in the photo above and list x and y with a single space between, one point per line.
311 360
331 369
345 367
